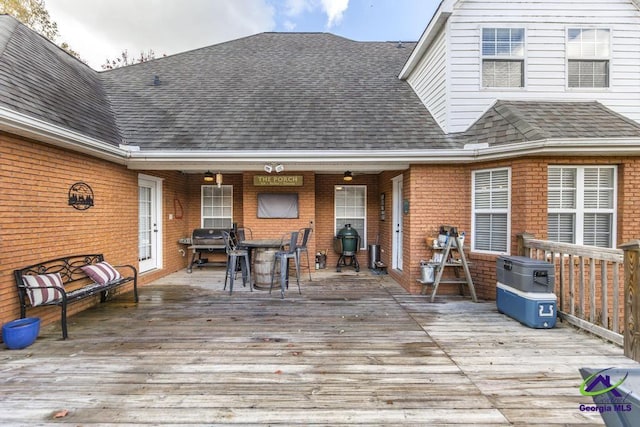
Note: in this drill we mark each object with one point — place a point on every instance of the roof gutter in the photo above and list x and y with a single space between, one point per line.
384 159
42 131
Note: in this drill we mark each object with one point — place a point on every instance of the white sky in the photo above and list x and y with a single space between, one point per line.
101 29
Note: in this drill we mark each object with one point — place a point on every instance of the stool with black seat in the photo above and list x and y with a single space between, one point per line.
235 256
283 256
302 247
244 233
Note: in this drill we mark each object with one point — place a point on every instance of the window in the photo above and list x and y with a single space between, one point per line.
217 206
491 199
503 57
588 52
581 201
351 208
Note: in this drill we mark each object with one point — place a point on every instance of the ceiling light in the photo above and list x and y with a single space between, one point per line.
208 176
347 176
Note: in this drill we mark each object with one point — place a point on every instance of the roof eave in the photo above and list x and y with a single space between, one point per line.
378 160
444 11
623 146
42 131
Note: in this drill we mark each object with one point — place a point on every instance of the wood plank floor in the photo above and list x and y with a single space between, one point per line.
354 348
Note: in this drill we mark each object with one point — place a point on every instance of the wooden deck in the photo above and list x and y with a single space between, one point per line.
352 349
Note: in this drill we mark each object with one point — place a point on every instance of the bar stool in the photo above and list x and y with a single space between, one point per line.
235 256
302 247
283 256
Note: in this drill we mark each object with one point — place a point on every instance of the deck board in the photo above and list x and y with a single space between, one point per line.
352 349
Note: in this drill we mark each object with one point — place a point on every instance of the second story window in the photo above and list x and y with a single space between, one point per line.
503 57
588 54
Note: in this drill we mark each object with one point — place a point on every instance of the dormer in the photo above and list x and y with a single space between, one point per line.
476 52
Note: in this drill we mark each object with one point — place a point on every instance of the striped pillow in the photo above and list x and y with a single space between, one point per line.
101 272
43 289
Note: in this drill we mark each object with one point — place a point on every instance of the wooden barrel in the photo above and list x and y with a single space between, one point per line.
262 266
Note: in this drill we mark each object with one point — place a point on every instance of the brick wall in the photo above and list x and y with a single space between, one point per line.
441 194
37 224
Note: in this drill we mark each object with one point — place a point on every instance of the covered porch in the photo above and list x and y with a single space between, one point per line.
354 348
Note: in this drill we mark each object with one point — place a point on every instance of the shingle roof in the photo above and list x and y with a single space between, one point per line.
519 121
274 91
271 91
41 80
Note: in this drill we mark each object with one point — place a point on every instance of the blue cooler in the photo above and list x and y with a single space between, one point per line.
534 309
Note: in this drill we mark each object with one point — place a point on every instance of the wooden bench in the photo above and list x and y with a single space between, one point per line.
63 280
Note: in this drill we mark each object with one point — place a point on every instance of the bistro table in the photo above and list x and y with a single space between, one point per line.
264 259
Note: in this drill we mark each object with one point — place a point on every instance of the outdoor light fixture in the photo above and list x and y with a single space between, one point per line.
270 167
219 179
347 176
208 176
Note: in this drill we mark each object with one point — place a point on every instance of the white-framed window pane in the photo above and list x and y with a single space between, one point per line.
598 188
144 223
562 188
597 229
502 73
588 42
491 195
503 41
588 55
561 227
502 57
491 232
217 206
588 73
581 204
351 208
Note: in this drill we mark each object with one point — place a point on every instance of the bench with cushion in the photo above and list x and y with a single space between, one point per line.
63 280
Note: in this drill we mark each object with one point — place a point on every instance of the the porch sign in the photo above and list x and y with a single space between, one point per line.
278 180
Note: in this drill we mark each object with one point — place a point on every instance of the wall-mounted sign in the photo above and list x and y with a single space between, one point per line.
80 196
278 180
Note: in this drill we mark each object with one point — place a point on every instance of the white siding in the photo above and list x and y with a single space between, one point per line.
429 80
545 23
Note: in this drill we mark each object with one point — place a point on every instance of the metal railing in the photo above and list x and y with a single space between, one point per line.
589 284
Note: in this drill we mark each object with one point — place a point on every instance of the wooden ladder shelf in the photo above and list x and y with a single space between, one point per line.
453 244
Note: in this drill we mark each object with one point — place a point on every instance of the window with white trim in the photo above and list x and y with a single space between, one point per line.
588 57
351 208
491 213
217 206
503 57
581 205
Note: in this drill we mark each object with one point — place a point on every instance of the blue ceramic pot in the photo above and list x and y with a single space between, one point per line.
20 333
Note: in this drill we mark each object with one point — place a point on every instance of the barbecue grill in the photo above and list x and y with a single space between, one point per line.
207 241
347 244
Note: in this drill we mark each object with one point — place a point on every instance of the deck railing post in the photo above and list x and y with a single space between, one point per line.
520 239
632 299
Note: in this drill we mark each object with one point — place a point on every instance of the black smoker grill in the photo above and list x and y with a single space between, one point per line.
205 240
347 243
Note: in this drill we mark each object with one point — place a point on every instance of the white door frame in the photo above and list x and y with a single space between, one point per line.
155 260
398 229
